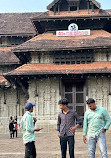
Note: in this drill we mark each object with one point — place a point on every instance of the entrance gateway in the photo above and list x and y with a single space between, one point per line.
75 92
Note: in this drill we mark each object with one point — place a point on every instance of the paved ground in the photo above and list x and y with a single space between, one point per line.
47 145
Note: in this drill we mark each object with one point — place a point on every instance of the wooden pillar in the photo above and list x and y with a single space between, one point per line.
69 9
88 6
4 41
78 8
54 10
92 8
107 55
5 96
58 8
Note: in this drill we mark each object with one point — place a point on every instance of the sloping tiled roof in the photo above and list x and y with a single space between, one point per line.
4 82
17 23
40 69
7 57
109 11
49 42
98 13
56 1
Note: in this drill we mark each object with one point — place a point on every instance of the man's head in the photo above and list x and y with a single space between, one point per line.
91 104
29 107
63 103
11 117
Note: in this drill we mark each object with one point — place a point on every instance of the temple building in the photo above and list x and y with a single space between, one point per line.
63 52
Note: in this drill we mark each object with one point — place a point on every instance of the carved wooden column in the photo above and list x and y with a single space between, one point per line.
88 6
58 8
92 8
78 8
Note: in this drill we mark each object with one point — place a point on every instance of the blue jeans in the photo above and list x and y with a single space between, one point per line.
101 140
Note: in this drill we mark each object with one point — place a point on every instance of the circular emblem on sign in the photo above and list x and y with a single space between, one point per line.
73 27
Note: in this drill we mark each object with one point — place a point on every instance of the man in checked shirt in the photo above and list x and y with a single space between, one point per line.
66 127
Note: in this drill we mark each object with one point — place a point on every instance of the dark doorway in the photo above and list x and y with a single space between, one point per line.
75 92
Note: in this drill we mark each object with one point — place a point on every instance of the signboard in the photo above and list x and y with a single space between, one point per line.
73 31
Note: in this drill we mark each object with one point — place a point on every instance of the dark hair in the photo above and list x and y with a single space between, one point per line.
63 101
90 100
11 117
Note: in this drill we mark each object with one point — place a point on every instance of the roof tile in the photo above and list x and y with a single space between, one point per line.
40 69
49 42
17 23
7 56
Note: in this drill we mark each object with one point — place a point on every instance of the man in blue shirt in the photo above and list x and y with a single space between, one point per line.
96 122
27 125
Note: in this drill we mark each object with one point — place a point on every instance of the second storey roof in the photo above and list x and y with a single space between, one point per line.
17 24
51 69
50 42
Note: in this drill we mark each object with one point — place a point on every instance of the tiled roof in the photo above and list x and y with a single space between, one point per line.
7 57
49 42
40 69
109 11
17 23
4 82
73 14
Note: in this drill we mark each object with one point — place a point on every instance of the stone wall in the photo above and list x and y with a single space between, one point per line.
45 94
11 102
99 88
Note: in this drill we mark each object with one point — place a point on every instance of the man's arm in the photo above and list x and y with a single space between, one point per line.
29 124
85 125
34 120
79 122
58 125
107 120
72 129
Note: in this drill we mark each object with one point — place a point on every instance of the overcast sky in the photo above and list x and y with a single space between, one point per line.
35 5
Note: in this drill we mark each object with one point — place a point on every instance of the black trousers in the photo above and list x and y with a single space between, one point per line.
63 142
12 134
30 150
16 133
